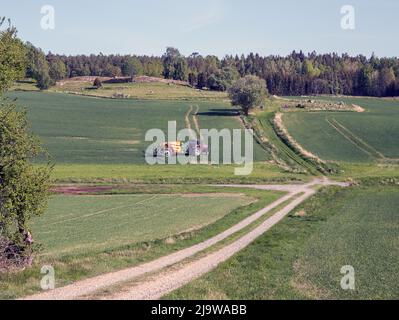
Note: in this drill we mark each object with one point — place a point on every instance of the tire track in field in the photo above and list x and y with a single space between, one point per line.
358 142
191 115
103 211
187 118
196 121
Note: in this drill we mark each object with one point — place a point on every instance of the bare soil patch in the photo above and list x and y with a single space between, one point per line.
77 190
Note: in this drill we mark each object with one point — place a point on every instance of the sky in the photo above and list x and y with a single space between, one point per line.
216 27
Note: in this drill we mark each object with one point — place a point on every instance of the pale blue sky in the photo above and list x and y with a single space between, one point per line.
208 26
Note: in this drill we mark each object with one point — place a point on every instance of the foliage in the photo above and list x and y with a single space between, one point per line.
248 92
111 70
12 57
133 67
97 83
222 79
295 74
175 65
57 68
23 187
38 67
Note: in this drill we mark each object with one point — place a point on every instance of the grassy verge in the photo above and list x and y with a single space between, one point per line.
73 267
301 258
367 171
171 174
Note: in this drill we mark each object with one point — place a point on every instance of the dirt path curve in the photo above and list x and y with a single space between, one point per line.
167 282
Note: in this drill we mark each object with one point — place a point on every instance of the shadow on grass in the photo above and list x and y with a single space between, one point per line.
220 113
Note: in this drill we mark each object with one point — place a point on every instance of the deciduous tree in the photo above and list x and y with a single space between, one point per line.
38 67
248 92
132 67
12 57
23 187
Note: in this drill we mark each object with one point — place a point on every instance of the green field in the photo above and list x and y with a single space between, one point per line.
348 136
78 224
87 130
301 258
83 236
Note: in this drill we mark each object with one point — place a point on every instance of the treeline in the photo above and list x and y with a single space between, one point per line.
295 74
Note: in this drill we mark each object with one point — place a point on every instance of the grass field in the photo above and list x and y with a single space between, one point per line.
75 262
83 130
348 136
301 258
76 224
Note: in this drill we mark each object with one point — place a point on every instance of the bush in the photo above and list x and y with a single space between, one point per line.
13 257
97 83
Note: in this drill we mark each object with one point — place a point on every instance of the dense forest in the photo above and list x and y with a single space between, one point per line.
295 74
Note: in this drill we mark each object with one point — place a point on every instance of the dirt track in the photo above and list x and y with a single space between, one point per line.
168 281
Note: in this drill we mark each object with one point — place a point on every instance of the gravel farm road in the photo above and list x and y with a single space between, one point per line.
165 281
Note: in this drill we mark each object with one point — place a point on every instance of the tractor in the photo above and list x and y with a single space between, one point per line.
169 149
195 148
192 148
